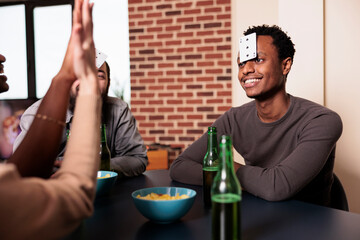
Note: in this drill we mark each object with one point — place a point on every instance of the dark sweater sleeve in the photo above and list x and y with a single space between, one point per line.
282 181
187 168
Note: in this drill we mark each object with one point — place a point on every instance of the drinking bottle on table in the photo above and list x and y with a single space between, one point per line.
226 196
105 155
210 165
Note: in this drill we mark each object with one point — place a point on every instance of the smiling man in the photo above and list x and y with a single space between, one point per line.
288 143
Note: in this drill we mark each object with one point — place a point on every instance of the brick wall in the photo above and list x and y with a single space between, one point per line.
180 60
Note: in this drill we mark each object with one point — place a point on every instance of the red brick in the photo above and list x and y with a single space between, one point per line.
174 87
182 80
205 79
154 15
183 5
205 18
174 101
166 80
164 21
146 37
173 28
136 16
174 42
188 49
138 102
175 117
148 22
223 16
185 34
204 3
205 64
185 124
175 131
194 131
192 11
154 29
205 49
173 72
166 94
166 65
223 93
185 109
213 40
157 73
223 108
194 101
194 116
146 124
155 87
213 71
216 86
193 41
165 35
155 44
186 94
147 95
147 109
156 102
212 10
204 33
169 124
166 109
144 8
185 19
166 50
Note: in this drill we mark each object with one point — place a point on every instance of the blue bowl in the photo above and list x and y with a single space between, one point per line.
105 184
164 211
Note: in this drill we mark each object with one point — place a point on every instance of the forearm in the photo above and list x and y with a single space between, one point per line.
44 133
129 166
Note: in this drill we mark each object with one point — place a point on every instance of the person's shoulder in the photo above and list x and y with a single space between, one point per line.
115 102
316 110
310 106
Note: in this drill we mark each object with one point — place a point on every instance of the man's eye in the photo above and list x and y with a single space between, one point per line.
241 64
259 60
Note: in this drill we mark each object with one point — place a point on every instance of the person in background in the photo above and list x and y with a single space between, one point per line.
288 143
35 208
128 152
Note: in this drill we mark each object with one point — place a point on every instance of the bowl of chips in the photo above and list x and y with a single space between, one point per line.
105 181
163 204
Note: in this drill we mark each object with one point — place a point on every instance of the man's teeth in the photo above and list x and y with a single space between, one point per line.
252 80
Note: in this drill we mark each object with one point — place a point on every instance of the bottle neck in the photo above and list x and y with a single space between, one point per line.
212 143
226 158
103 133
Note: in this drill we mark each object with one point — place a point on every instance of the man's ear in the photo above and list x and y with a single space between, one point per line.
286 65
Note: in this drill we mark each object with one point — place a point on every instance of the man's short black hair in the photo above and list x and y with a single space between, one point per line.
281 40
108 74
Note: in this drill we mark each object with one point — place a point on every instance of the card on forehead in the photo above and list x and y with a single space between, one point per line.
247 47
100 58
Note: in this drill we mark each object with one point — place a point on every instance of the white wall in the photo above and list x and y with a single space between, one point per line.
342 51
326 34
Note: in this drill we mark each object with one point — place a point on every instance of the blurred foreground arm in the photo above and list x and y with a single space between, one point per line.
34 208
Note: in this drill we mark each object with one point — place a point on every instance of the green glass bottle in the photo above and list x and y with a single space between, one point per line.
226 196
105 155
210 165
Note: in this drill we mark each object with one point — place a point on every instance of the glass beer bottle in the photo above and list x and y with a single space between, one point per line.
105 155
226 196
210 165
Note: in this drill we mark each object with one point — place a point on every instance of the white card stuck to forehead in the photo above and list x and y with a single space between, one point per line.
100 58
247 47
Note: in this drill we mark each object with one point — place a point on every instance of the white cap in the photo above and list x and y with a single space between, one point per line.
100 58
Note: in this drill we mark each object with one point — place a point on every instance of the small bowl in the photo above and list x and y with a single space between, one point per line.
164 211
105 184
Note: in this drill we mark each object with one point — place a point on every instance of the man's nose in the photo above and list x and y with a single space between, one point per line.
249 67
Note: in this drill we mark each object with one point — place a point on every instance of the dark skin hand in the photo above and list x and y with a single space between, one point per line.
3 85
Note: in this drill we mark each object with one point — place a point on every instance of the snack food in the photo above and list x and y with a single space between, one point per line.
106 176
155 196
